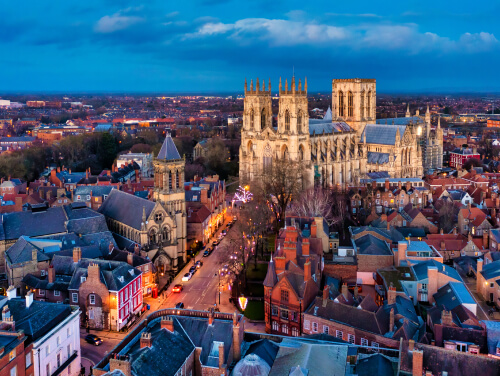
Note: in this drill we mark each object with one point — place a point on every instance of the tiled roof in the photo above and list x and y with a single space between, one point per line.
491 270
382 134
420 270
379 158
370 245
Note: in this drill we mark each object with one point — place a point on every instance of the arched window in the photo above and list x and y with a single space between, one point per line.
166 233
177 180
152 236
251 119
268 156
350 104
287 120
362 108
285 152
369 105
170 177
249 147
301 153
263 119
341 103
299 121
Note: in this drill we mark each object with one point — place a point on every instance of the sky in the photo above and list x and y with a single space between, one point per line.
211 46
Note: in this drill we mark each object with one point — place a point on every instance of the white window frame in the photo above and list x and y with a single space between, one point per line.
375 345
326 329
364 342
307 324
339 334
315 327
28 359
73 295
92 299
57 293
351 338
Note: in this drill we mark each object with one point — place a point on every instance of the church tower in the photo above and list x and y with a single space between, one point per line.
293 116
169 189
354 101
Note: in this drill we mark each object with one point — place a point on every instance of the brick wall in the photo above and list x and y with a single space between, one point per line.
340 271
371 263
93 285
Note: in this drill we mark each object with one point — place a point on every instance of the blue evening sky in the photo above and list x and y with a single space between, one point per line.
170 46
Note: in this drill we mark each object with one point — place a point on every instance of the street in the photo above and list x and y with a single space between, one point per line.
199 293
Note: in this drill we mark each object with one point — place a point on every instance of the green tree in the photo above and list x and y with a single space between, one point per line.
106 152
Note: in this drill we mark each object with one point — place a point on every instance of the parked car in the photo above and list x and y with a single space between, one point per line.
206 254
192 269
179 305
177 288
186 277
224 232
199 264
93 339
216 242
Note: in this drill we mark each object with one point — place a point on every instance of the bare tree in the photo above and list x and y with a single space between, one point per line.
315 202
340 209
279 183
447 214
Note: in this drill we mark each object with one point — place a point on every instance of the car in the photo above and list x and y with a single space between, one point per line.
224 232
177 288
186 277
192 269
93 339
206 254
199 264
215 243
179 305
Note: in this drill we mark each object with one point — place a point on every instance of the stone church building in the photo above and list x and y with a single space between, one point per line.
342 147
158 226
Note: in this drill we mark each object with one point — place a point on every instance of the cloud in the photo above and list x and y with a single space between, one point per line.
115 22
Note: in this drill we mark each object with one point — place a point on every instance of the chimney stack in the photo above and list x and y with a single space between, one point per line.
326 292
418 363
122 363
29 299
391 320
387 185
486 242
130 258
210 317
146 340
345 290
391 295
446 318
307 271
52 274
11 292
167 323
237 331
77 254
221 356
305 247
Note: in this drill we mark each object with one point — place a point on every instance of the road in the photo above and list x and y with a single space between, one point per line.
199 293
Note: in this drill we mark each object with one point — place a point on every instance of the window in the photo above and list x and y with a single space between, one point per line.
284 329
12 355
339 334
424 286
74 297
91 314
341 103
58 340
251 120
57 293
284 314
13 371
92 298
68 332
284 296
88 197
69 350
306 324
375 345
58 360
47 350
351 338
299 121
78 197
276 326
274 311
28 360
315 327
47 369
263 119
364 342
287 120
350 104
41 292
294 316
326 329
295 332
83 279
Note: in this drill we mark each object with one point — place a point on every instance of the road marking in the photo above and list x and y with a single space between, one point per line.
87 359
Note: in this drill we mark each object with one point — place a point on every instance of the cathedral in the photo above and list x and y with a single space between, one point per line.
345 146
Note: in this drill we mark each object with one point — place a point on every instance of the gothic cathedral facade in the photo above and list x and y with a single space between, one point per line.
344 146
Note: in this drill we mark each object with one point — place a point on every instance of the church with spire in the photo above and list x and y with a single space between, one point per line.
158 227
345 146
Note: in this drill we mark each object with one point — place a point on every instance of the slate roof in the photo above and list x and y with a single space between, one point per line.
271 277
491 270
376 157
264 348
39 318
401 120
126 208
420 270
114 274
94 190
376 364
320 126
50 221
168 150
452 295
382 134
22 250
310 359
370 245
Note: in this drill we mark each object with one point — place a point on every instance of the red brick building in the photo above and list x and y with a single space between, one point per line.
459 156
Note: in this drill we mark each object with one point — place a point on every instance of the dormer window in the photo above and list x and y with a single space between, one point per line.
83 279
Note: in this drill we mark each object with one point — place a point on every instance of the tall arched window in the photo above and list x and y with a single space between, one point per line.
369 105
251 119
362 108
285 152
177 180
299 121
301 153
170 177
350 104
268 156
166 233
263 119
287 120
341 103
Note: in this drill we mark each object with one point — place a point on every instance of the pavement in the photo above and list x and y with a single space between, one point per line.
200 293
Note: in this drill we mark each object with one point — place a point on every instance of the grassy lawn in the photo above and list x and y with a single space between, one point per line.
255 310
270 242
258 274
